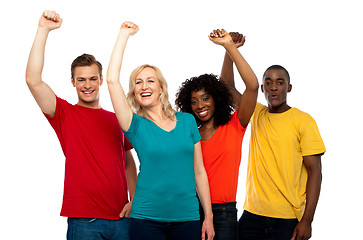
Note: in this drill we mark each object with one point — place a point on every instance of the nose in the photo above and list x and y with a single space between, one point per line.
87 84
273 87
144 85
200 104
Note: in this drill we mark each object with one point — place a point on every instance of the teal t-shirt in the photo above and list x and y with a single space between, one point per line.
165 188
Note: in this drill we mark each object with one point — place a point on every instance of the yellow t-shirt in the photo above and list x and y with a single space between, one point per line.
276 175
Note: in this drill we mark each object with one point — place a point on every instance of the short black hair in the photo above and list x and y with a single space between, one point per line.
278 67
223 99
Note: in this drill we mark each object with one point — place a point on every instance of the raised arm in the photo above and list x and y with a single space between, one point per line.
120 105
248 99
227 74
201 180
41 92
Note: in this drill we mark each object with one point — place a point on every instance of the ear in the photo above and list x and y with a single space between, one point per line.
262 88
289 88
73 83
101 80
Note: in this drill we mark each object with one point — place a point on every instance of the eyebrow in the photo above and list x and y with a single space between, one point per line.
86 78
277 79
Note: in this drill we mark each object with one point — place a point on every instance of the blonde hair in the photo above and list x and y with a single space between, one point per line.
164 96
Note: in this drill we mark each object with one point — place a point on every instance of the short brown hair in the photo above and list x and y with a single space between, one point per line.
85 60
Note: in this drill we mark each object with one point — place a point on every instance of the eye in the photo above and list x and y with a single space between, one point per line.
80 80
267 83
205 99
281 82
193 102
150 81
94 79
138 82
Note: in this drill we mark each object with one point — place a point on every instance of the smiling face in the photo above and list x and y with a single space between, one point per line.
147 88
202 104
276 85
87 81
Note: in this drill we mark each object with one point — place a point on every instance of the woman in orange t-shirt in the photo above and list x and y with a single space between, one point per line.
222 131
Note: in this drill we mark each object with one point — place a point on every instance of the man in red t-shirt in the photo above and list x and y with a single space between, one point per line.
99 167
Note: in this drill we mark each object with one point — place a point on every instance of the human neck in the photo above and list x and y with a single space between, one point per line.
208 125
94 105
279 109
155 114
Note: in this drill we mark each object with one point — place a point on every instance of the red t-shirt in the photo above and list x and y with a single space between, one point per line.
94 146
222 157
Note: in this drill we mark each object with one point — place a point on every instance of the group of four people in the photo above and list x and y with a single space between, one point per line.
187 158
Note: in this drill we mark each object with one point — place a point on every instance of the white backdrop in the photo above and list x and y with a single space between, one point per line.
319 42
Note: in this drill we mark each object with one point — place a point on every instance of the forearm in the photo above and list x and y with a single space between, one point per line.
114 67
36 58
244 69
117 94
131 174
313 186
227 71
227 76
204 193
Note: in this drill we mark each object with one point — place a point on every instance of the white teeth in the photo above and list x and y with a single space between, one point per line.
203 113
146 94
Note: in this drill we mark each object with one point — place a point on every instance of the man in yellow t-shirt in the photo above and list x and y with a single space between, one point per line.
284 165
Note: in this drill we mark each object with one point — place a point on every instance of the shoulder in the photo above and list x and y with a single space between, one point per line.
184 116
260 110
301 115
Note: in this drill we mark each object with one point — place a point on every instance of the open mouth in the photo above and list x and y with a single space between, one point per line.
202 114
145 94
88 92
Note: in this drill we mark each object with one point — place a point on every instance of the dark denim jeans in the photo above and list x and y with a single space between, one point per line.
97 229
141 229
252 226
224 220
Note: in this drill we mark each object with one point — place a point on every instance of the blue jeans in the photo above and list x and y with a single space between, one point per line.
224 220
141 229
97 229
252 226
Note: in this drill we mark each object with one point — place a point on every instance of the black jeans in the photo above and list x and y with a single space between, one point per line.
141 229
224 220
252 226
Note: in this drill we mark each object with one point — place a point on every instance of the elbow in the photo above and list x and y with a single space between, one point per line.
30 80
253 88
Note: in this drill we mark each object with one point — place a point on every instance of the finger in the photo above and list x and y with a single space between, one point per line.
203 233
122 214
243 40
293 235
240 37
50 15
128 214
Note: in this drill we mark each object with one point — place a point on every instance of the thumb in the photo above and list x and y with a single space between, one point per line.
122 214
294 235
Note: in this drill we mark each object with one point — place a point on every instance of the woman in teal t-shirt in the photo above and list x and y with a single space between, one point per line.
165 204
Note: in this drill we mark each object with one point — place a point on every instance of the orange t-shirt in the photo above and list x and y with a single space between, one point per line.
222 157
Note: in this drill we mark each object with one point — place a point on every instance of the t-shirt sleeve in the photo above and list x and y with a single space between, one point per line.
131 133
56 120
194 129
236 123
257 111
127 144
311 142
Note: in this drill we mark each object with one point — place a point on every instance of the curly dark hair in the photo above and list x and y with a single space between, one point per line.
211 84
